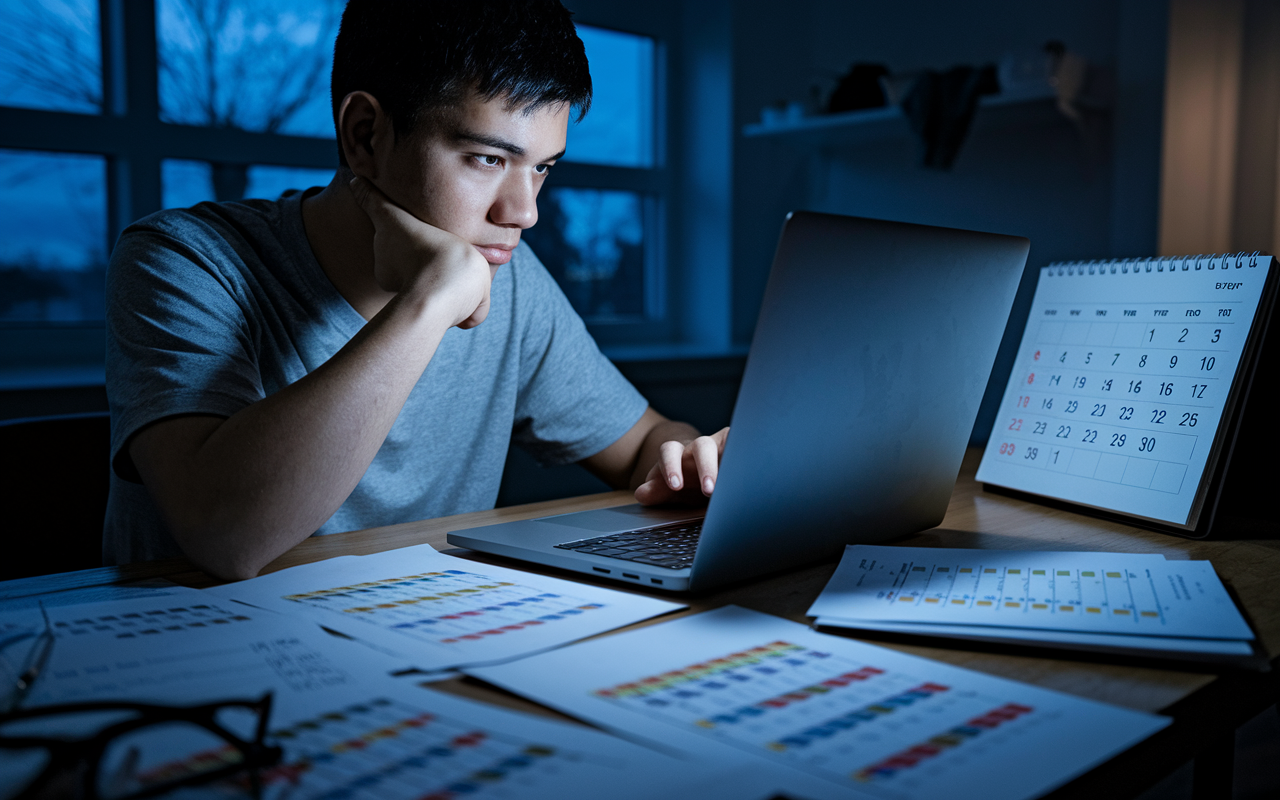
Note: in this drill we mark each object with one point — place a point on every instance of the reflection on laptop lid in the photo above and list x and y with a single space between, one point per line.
872 351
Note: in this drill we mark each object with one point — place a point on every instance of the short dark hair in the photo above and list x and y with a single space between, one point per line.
418 56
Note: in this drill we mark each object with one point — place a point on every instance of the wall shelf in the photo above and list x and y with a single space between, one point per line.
889 122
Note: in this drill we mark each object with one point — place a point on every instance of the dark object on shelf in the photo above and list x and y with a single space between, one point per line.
940 109
859 89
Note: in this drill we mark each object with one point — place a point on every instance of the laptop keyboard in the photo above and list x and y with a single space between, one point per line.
671 546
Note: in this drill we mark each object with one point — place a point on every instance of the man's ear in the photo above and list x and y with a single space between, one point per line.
364 132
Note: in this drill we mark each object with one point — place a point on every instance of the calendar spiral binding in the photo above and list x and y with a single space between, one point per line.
1241 260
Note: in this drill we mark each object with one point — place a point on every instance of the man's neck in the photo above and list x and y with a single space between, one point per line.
341 237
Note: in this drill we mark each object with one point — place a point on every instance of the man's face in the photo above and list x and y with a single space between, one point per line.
476 170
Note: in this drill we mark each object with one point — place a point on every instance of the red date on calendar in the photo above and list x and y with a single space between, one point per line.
1007 448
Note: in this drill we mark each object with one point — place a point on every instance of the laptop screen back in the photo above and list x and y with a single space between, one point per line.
873 348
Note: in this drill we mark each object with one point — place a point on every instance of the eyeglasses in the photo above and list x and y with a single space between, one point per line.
136 750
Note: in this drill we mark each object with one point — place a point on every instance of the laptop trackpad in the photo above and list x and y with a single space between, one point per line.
623 518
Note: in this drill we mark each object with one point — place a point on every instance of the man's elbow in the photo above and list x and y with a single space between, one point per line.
227 555
230 569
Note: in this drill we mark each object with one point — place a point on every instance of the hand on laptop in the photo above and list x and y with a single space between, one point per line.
686 471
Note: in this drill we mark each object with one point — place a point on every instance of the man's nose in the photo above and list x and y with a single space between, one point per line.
516 205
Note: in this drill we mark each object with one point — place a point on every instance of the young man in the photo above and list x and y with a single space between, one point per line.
363 355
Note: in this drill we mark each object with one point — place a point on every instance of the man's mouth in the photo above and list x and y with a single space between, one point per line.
496 254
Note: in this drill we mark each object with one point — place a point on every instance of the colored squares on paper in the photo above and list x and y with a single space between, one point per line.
377 748
936 745
856 717
755 657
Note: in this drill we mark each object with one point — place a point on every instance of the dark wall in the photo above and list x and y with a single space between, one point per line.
23 403
1024 170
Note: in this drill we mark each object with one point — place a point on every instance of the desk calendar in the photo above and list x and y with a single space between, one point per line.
1129 385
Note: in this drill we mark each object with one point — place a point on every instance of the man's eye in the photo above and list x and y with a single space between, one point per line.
542 169
491 161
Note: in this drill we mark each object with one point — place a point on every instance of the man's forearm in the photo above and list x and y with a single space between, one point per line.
269 476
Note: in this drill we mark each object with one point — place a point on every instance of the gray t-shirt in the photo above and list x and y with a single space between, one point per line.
213 308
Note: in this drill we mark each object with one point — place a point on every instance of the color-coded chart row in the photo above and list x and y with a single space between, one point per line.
403 582
373 747
789 698
480 612
471 637
410 601
936 745
148 623
699 671
857 717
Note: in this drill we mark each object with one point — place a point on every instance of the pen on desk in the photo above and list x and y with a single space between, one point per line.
35 663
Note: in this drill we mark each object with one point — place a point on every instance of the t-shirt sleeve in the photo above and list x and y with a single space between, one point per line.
572 401
178 340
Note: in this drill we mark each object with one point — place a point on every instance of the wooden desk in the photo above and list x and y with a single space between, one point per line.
1206 706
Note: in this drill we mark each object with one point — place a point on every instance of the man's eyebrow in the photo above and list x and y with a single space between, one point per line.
496 143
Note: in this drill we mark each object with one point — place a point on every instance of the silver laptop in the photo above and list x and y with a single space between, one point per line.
873 347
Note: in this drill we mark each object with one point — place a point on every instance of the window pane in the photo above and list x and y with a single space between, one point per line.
271 182
53 236
592 242
185 183
260 65
51 55
619 128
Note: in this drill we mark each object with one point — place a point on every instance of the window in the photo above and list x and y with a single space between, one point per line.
593 242
51 55
239 108
599 237
236 105
619 130
185 183
53 255
248 64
